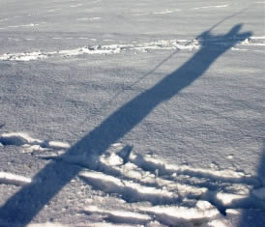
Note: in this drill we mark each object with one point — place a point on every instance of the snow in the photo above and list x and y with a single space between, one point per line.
132 113
9 178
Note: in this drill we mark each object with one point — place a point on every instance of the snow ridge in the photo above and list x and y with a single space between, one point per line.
99 49
118 48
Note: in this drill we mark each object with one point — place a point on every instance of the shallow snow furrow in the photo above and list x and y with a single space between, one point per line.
117 48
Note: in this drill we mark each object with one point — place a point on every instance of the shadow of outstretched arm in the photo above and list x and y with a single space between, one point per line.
27 202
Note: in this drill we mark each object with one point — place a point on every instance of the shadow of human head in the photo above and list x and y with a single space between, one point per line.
228 40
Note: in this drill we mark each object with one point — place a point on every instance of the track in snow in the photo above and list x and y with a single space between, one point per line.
141 47
176 194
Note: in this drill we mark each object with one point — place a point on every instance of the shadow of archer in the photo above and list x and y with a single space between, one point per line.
27 202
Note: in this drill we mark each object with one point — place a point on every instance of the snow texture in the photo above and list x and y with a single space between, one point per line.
132 113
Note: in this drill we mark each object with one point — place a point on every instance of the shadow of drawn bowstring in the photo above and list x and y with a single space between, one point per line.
28 201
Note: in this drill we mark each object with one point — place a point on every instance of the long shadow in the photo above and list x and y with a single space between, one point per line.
251 217
27 202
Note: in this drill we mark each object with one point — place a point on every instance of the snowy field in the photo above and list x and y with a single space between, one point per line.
132 113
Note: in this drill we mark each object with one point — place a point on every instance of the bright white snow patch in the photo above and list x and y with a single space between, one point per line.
47 224
18 139
24 56
30 144
227 199
102 49
167 11
77 5
89 19
118 216
23 25
174 215
10 178
58 144
131 191
209 7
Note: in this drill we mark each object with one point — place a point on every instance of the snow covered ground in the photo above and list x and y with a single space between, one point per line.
132 113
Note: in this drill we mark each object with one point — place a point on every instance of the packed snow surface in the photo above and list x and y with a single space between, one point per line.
132 113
